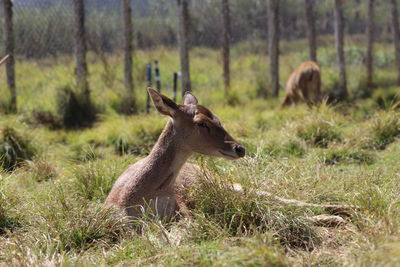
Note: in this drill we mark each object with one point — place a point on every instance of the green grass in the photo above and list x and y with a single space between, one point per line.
51 200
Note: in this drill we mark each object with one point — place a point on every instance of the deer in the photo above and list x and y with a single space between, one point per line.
156 181
161 180
303 85
3 60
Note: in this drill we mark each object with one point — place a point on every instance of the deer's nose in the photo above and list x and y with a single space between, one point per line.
239 150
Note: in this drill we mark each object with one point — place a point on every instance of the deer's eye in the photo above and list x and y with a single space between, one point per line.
201 124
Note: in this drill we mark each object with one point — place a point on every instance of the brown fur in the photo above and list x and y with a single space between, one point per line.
303 85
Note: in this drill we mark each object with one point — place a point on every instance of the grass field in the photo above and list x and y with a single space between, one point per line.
50 204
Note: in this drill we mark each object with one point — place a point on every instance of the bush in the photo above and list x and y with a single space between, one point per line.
40 170
95 179
317 132
383 131
138 142
246 213
76 226
7 222
291 147
386 99
75 109
346 155
14 149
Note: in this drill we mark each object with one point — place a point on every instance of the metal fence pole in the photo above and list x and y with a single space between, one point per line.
149 74
175 84
157 76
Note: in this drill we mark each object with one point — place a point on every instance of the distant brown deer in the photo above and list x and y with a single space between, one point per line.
303 85
156 181
3 60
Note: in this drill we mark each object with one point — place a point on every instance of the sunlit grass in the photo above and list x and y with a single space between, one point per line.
51 205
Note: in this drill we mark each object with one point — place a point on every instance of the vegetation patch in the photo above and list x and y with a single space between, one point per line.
74 109
347 155
383 130
292 147
317 132
246 214
76 226
14 149
138 142
40 169
95 179
7 221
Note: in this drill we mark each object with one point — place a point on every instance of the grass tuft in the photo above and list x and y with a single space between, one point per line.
14 148
75 225
95 179
317 132
74 109
347 155
40 169
383 130
246 214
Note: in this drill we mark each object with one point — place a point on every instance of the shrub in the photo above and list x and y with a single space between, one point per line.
85 153
14 149
291 147
138 142
346 155
386 99
75 109
47 118
317 132
95 179
40 170
76 226
383 131
7 222
246 213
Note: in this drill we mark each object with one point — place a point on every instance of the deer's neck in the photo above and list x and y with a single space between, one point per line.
167 157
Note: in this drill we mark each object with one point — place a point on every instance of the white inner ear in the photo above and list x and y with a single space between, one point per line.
190 99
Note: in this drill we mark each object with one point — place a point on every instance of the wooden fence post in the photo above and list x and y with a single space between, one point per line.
9 45
183 32
273 37
80 48
341 91
370 43
226 33
129 101
311 32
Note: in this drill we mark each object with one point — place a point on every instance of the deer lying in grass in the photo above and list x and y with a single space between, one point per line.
152 182
160 180
4 60
303 85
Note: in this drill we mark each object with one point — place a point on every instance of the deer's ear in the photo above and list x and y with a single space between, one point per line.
163 104
189 98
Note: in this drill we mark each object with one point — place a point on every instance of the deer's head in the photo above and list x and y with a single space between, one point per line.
199 129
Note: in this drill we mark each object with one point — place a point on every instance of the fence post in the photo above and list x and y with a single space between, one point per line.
273 37
80 48
129 103
183 44
9 45
226 33
157 76
148 85
175 84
